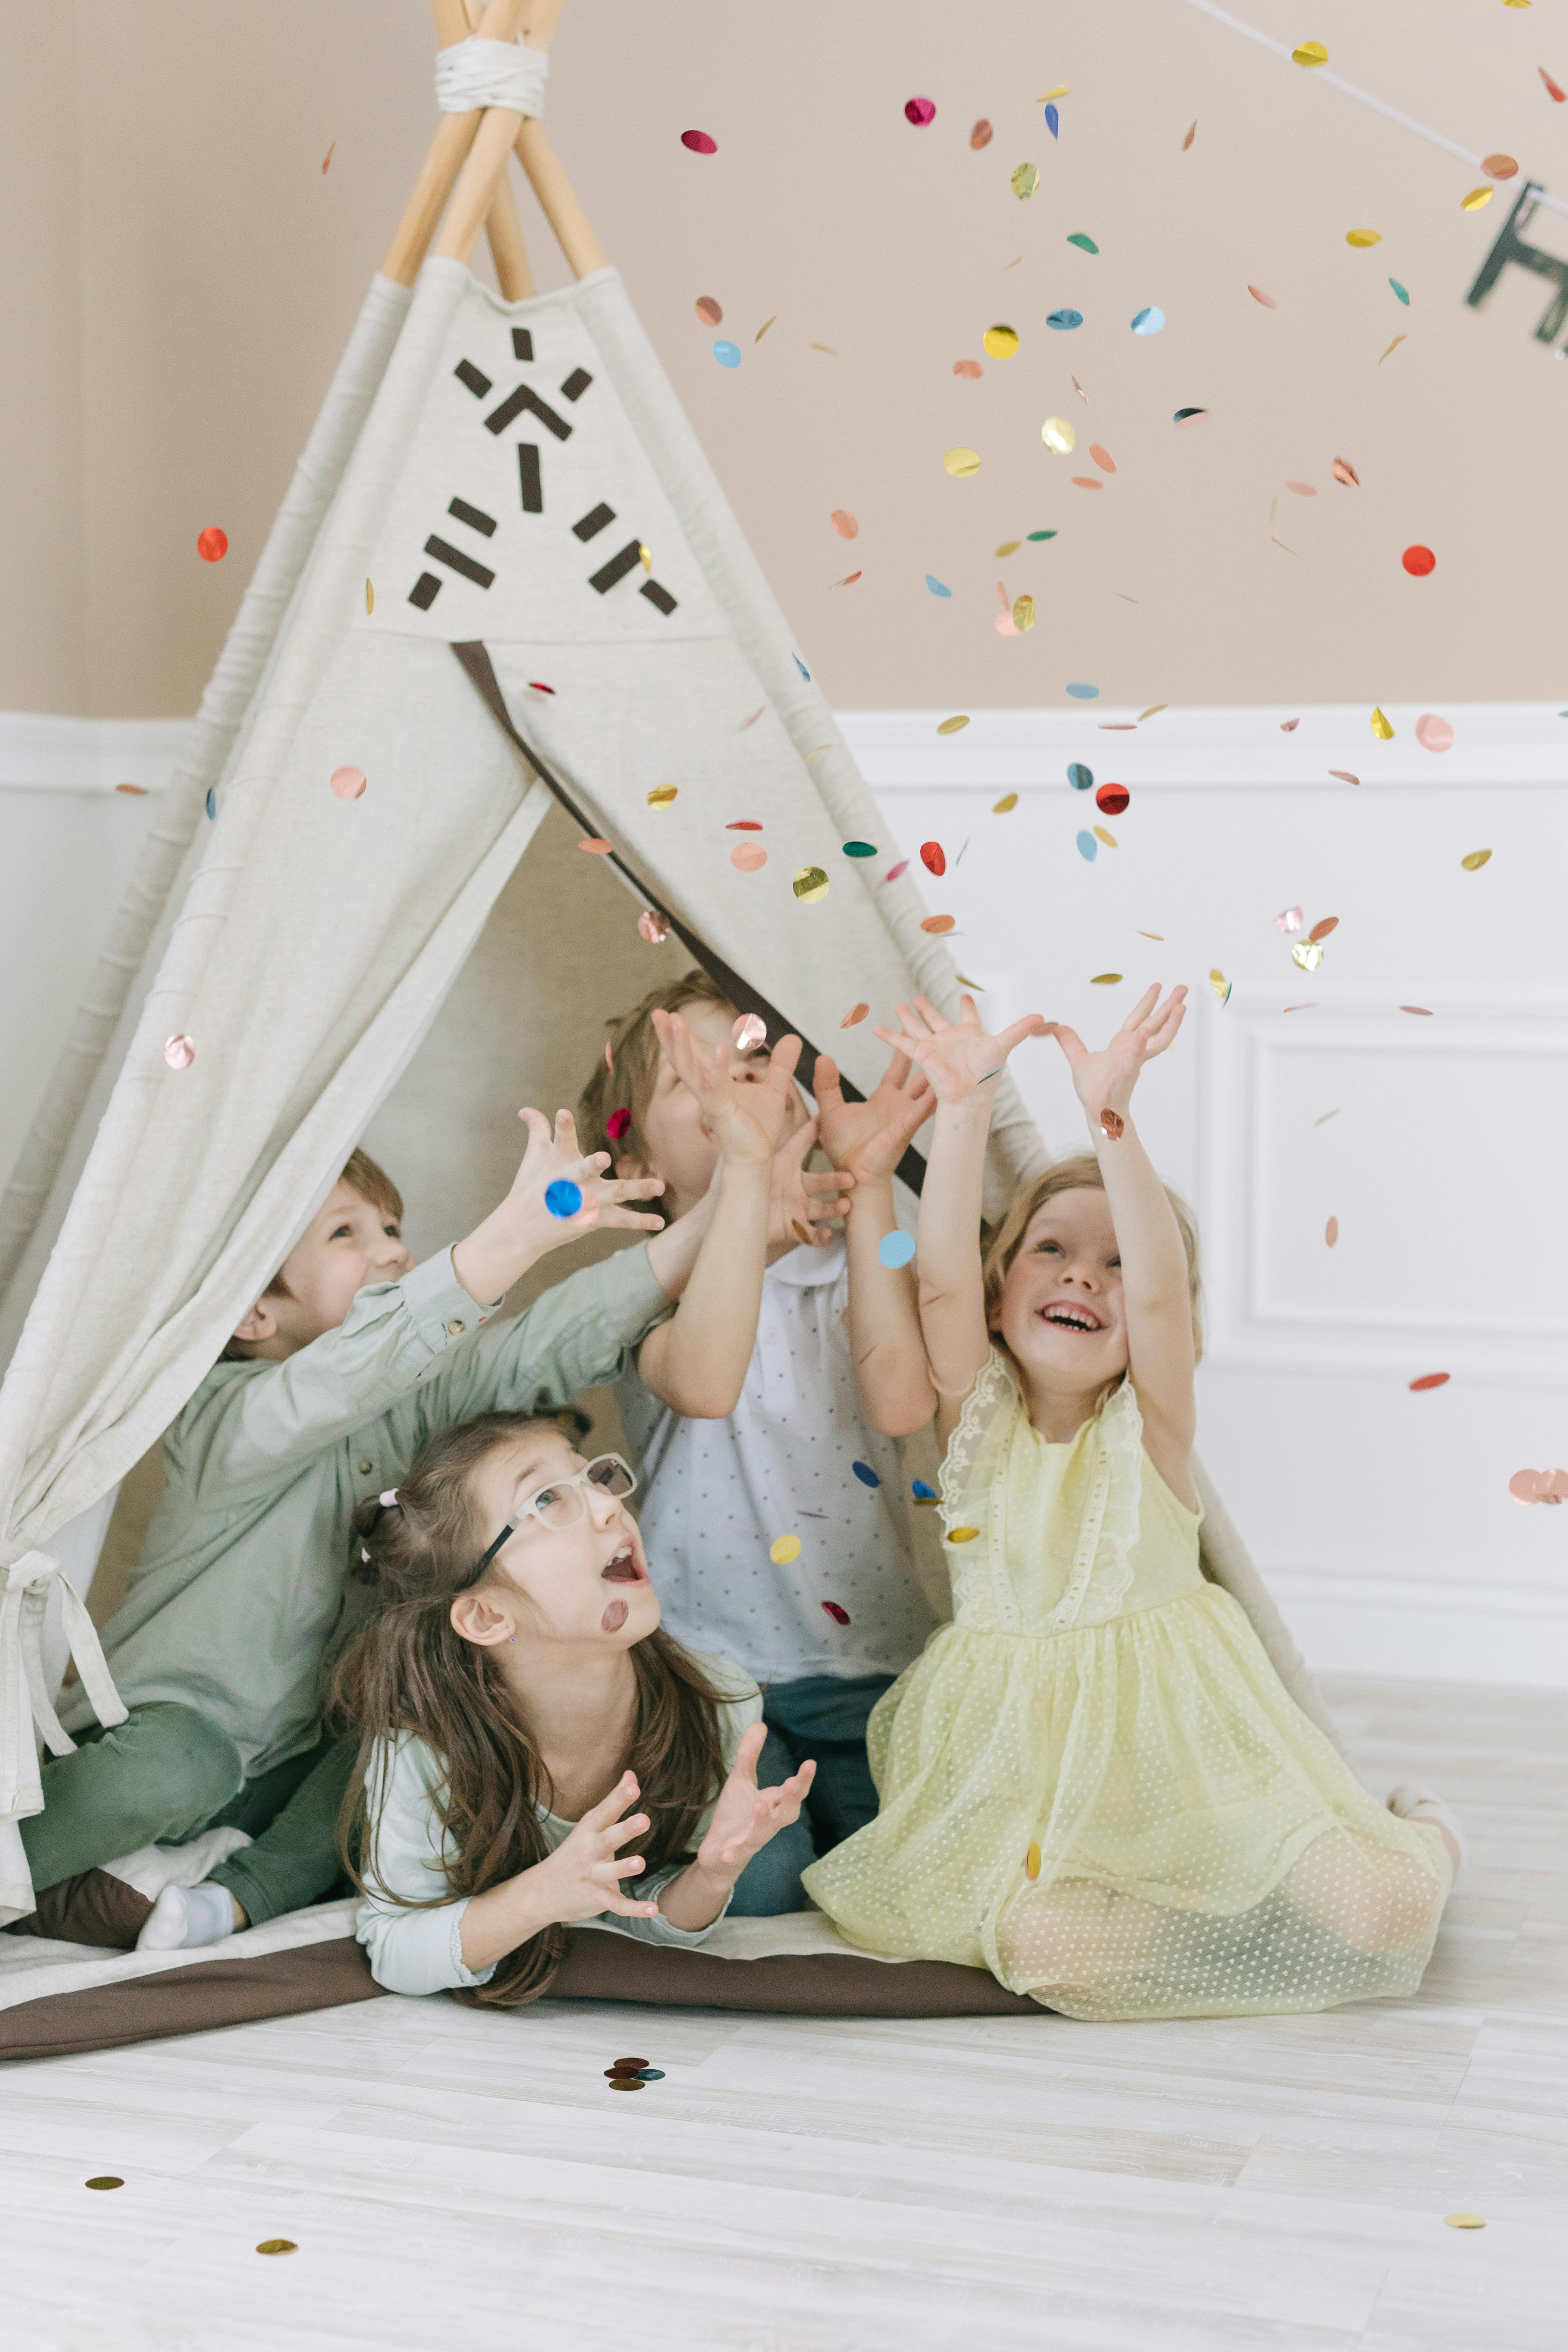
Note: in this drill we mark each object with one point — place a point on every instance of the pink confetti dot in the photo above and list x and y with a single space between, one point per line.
1434 734
699 142
920 111
179 1052
347 783
748 856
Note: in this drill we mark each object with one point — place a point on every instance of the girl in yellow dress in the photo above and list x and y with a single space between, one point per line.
1092 1783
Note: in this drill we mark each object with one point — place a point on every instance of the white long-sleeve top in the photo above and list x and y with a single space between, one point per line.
421 1951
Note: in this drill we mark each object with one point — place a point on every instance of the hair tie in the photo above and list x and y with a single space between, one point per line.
389 1498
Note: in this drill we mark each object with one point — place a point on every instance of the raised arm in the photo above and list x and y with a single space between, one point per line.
961 1061
865 1141
1154 1282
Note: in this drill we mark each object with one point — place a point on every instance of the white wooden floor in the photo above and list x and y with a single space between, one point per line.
467 2180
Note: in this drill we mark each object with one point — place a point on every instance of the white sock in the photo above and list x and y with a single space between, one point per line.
1414 1803
184 1917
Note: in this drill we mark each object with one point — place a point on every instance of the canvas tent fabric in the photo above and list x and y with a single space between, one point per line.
513 464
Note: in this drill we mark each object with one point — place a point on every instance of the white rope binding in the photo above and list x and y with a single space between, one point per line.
475 73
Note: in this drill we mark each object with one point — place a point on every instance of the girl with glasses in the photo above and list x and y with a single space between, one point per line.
535 1749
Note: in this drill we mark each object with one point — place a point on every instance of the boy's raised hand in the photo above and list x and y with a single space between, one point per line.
745 1816
745 1104
957 1056
867 1139
1104 1081
515 1236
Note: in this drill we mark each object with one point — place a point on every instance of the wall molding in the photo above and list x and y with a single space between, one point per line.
1474 1631
1521 744
41 752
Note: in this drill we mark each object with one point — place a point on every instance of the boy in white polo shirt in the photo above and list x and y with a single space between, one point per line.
783 1535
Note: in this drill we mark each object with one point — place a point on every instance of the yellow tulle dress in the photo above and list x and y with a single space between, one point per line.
1094 1784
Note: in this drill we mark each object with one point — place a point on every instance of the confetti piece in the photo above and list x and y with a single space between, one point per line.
938 924
348 783
1053 121
537 685
961 1535
1084 693
1061 91
1010 547
1111 1123
825 347
710 312
802 668
1184 416
1258 295
1087 846
1400 290
112 2180
951 725
1025 180
334 149
864 1472
1418 562
179 1050
1302 490
1220 985
1001 341
749 1031
1344 776
844 523
1307 955
1042 534
594 847
1189 139
1087 482
1327 1116
1477 199
1434 734
562 1199
1288 726
1152 712
1424 1010
1279 543
1320 929
980 134
1102 457
763 330
1084 397
1393 347
937 587
849 579
1428 1380
1080 778
1332 1232
1311 53
1084 244
663 796
839 1614
699 142
1363 237
1475 861
933 858
920 111
727 354
278 2246
967 982
1300 1008
1065 320
810 885
616 1124
609 1058
970 368
1058 434
1105 979
1111 799
1380 727
922 1492
783 1549
1004 806
1290 921
369 597
1148 322
137 792
855 1014
893 872
212 544
1032 1861
961 462
1525 1486
1108 838
1553 89
748 858
1024 614
1343 471
896 1249
859 849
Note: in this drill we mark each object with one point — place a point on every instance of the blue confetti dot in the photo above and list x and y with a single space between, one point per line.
895 1248
727 354
800 666
1148 322
937 587
1053 121
1065 318
922 1492
1084 693
1080 778
1087 846
562 1199
651 2075
212 801
864 1472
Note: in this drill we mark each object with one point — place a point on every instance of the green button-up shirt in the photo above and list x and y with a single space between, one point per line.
240 1588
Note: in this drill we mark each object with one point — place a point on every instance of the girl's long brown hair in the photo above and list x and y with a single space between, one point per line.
408 1670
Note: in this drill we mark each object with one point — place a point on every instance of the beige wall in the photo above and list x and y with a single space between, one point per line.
179 278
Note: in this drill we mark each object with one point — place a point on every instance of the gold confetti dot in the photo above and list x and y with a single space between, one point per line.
951 725
1152 712
1032 1861
763 330
1061 91
645 553
1380 727
1025 180
1001 341
1023 613
1010 547
1058 434
1311 53
663 796
1363 237
104 2181
961 462
278 2246
1393 347
1307 954
369 597
1219 983
961 1535
1465 2221
810 885
1109 838
1475 861
1475 199
783 1549
1008 801
1105 979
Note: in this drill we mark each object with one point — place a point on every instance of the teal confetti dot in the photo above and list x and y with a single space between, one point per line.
1148 322
1042 534
937 587
1053 121
1084 244
895 1248
800 666
1065 320
1080 778
1084 693
864 1472
651 2075
212 801
1400 290
562 1199
727 354
1182 414
859 849
1087 846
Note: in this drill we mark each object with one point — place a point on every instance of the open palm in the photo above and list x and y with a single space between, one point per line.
745 1104
957 1056
1104 1081
870 1137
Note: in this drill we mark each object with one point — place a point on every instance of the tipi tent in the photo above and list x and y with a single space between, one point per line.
504 576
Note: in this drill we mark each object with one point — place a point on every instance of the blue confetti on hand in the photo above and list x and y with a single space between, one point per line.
895 1248
936 586
727 354
1087 846
864 1472
562 1199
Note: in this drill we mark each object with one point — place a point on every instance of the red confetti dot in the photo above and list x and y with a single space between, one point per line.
937 924
1418 562
212 544
840 1616
699 142
1551 89
1429 1381
933 858
1113 799
920 111
616 1124
539 687
742 825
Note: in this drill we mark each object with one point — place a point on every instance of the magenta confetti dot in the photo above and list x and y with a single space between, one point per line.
920 111
616 1124
839 1615
699 142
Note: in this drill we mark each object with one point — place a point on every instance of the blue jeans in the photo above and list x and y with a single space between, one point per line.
824 1717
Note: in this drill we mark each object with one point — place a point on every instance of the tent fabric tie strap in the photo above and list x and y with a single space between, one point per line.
475 73
24 1697
740 992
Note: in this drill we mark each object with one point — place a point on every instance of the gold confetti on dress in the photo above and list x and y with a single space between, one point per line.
1204 1849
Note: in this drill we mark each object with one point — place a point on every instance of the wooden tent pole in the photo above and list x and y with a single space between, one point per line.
558 201
444 164
455 19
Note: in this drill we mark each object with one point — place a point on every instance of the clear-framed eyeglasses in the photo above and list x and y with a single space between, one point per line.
563 1501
